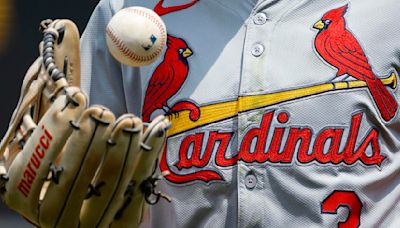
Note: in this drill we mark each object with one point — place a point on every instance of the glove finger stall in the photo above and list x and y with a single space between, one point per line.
152 144
115 173
80 160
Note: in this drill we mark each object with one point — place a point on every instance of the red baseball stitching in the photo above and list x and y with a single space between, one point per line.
125 50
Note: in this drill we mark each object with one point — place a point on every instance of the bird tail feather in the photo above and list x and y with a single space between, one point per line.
384 100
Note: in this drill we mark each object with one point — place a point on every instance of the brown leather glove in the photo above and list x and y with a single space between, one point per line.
66 165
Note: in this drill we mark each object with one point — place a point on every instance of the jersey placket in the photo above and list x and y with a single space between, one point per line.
250 176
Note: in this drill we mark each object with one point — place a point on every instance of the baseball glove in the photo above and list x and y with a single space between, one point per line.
66 165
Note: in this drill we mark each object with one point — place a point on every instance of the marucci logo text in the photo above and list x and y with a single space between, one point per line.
29 175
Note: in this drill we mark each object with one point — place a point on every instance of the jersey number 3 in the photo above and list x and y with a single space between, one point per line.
344 199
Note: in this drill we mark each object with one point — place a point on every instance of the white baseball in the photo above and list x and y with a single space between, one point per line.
136 36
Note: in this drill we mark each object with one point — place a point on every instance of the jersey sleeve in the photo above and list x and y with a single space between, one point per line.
101 74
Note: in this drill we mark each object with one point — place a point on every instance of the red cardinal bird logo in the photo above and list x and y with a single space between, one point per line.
338 47
168 77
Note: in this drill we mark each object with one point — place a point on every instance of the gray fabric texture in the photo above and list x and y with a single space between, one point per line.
222 34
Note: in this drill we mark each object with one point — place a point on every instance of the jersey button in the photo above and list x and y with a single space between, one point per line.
260 18
250 181
257 50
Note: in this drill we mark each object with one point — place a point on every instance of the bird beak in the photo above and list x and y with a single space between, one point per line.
187 53
319 25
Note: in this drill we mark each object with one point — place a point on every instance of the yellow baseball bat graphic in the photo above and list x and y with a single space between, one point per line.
181 121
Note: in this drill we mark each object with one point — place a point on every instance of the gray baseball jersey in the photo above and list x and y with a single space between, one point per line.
284 112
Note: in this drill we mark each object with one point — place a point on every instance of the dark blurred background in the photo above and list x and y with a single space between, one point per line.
19 39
